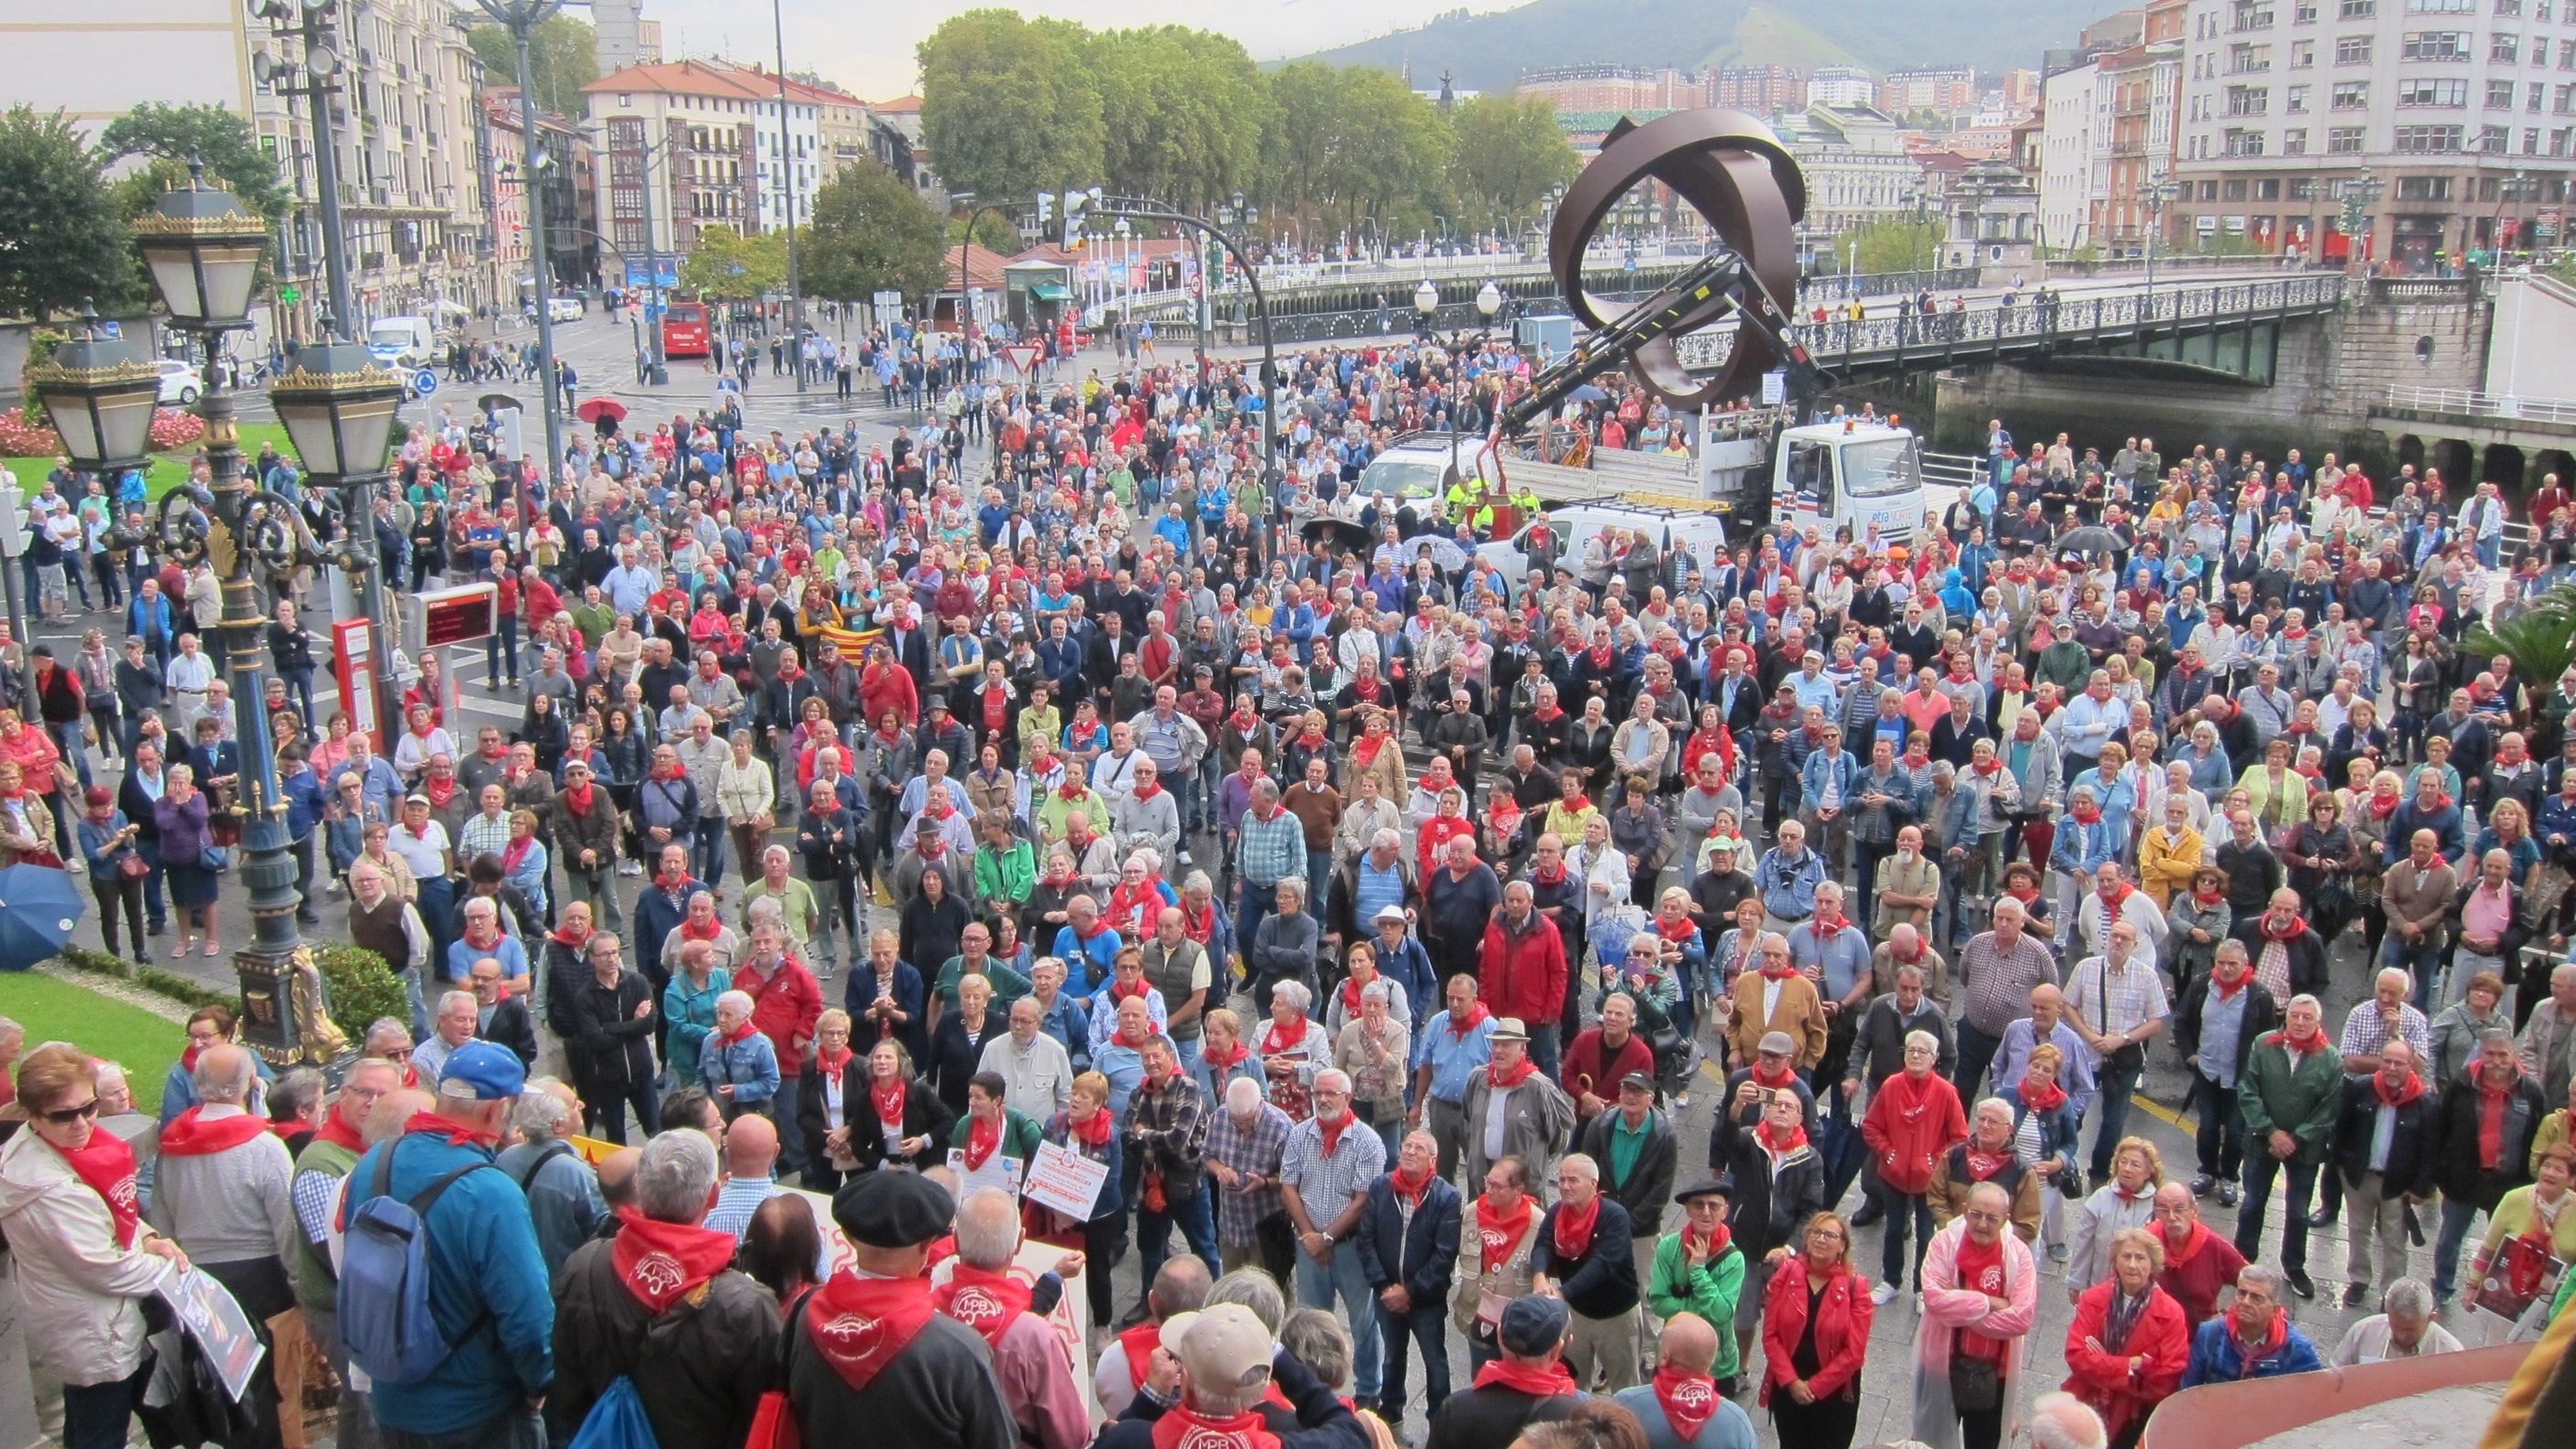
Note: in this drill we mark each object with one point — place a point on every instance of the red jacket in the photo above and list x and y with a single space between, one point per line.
1523 974
1911 1122
2102 1379
1591 1066
1842 1329
885 687
785 1006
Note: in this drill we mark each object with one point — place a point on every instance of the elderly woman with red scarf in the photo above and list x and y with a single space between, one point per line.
2128 1345
1815 1337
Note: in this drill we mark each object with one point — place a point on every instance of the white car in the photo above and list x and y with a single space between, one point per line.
565 309
180 382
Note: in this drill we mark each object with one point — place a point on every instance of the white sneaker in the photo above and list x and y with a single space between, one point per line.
1883 1295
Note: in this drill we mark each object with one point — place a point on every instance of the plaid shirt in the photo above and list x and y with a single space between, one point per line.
1999 981
2135 994
1255 1151
2365 1031
1267 853
1327 1184
482 836
1167 1131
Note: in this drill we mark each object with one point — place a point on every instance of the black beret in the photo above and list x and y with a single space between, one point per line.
892 1209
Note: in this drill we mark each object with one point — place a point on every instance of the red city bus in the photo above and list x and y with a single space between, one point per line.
684 329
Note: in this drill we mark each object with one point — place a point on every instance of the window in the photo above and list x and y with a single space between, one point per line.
2303 53
2423 188
2351 96
2531 140
2508 8
2294 142
2494 140
2245 59
2209 191
2436 45
2499 95
2242 142
2303 188
2441 7
2428 140
2436 93
2357 9
2235 191
2504 49
2536 98
2353 50
2248 100
2295 102
2251 15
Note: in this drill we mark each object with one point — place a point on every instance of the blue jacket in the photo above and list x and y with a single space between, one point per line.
485 1274
2216 1358
305 802
1836 766
157 623
749 1066
1421 1254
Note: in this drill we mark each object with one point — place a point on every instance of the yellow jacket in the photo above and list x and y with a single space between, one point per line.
2288 807
2164 869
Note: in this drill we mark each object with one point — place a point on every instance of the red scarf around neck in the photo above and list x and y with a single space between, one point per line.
1092 1131
1688 1400
983 1137
860 1325
1496 1237
1538 1380
1506 1078
2408 1091
106 1164
1333 1128
193 1134
1574 1228
1182 1425
2226 989
339 1133
983 1300
888 1101
661 1263
457 1134
1461 1026
2041 1097
2273 1338
1780 1146
1413 1190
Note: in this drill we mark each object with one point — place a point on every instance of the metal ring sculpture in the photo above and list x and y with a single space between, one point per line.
1733 171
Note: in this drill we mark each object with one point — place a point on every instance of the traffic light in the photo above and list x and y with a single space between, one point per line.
1046 209
1074 202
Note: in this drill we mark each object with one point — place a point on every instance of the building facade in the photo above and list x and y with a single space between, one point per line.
2411 132
1856 166
2075 153
1842 86
1614 88
705 137
1764 90
1944 91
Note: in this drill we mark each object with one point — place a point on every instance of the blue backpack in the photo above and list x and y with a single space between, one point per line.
616 1420
384 1280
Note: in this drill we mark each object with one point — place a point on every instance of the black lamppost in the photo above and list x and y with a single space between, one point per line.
101 393
203 249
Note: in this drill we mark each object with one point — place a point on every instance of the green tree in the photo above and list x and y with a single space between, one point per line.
563 56
1351 141
66 239
1510 151
215 136
1890 244
992 233
1182 113
1009 105
730 267
873 233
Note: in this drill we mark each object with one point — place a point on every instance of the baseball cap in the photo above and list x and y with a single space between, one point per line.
1724 845
1223 1346
1778 1044
1510 1028
1533 1324
493 1072
1639 1080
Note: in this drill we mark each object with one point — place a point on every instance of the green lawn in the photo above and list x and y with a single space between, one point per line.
54 1010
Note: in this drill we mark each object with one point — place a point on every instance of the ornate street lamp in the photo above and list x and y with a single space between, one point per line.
203 249
1489 300
338 408
101 393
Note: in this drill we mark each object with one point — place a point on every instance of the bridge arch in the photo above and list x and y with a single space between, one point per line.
2548 461
2410 452
2502 465
2456 459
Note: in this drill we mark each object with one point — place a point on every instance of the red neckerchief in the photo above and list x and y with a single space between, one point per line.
832 1062
1311 736
2113 900
1332 1130
1350 994
1182 1425
1688 1400
191 1134
2227 989
690 930
933 848
1780 973
1496 1237
106 1163
1538 1380
2209 899
579 796
1092 1131
1574 1229
1517 1074
661 1263
1121 990
1413 1192
2272 933
2176 1258
1147 789
888 1101
1827 927
1548 875
2413 1088
1227 1062
1364 750
1676 931
439 791
2273 1338
1989 767
983 1137
1071 792
983 1300
1461 1026
1780 1147
339 1133
1576 803
2491 1104
2381 810
1139 1343
1243 723
2042 1098
860 1325
1273 1042
1788 1077
430 1124
2085 814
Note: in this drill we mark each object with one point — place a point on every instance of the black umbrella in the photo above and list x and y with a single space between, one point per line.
2089 540
1339 532
493 402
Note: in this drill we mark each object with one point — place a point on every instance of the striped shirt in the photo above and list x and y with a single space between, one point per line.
1254 1151
1327 1184
1999 979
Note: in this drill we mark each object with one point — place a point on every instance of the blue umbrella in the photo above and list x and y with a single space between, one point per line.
39 906
1587 393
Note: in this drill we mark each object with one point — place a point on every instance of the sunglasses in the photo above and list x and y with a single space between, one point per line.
66 1116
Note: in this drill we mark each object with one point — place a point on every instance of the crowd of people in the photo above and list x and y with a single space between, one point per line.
881 815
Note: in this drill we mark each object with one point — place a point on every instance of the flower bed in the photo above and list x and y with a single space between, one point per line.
172 428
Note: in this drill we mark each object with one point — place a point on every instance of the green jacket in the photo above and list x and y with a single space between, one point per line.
317 1285
2301 1103
1709 1290
1005 875
1020 1134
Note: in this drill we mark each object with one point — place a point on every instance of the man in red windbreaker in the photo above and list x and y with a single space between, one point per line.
1522 972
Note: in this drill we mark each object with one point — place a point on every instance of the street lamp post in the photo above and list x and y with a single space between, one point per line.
2360 199
315 25
521 18
203 250
787 194
2158 194
1426 303
1213 234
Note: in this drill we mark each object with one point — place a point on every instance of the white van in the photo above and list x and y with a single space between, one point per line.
1698 533
403 343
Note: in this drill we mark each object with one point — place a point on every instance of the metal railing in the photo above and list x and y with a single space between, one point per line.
2464 402
1992 329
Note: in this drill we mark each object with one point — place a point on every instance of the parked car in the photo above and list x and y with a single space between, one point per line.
180 382
566 309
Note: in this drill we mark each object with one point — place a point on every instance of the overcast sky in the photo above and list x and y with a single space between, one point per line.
868 48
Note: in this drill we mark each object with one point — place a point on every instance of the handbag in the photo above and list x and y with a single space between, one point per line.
773 1421
132 867
215 858
1976 1384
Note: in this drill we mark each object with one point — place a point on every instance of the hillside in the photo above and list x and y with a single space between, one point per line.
1486 52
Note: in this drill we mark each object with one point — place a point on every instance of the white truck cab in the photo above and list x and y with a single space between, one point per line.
1853 473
